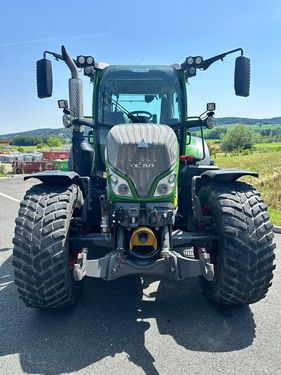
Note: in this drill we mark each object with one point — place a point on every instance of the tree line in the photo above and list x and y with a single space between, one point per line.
269 134
28 140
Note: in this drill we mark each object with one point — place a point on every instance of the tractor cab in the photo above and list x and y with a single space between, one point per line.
146 94
131 94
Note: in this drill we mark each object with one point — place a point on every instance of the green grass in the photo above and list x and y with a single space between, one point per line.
25 148
268 147
268 165
259 147
275 216
31 148
212 141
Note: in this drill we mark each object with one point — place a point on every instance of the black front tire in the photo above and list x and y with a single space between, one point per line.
41 256
243 256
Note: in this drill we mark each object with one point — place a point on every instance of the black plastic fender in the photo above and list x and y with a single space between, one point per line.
54 177
227 175
213 175
60 177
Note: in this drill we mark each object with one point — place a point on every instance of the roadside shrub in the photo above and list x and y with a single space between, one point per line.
2 170
54 141
237 139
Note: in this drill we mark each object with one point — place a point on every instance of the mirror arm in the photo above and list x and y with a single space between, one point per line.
210 61
66 58
56 55
84 121
194 122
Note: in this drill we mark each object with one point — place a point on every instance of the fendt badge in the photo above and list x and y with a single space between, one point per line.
143 144
142 165
139 164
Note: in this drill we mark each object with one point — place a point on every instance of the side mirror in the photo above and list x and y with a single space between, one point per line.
242 76
44 78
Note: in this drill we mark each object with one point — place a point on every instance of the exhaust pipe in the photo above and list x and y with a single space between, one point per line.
75 87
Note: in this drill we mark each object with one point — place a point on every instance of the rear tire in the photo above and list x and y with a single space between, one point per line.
41 256
243 256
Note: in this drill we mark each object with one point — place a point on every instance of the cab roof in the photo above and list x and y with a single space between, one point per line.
147 72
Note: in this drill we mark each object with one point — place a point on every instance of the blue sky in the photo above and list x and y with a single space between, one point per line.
146 32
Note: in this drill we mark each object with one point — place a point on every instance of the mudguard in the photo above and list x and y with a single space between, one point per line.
54 177
227 175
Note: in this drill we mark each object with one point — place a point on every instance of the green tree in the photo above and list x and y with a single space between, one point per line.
238 138
54 141
215 133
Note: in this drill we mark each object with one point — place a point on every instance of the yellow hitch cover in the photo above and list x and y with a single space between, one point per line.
143 236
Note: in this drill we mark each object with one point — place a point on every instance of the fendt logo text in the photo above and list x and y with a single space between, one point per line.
142 165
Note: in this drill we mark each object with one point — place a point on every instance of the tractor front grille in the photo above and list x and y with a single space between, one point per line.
142 152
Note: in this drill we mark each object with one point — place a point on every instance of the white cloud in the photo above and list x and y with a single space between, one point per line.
31 41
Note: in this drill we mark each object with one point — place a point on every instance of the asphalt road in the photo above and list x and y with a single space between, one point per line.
130 327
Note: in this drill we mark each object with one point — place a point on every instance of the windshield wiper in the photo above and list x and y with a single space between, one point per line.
121 108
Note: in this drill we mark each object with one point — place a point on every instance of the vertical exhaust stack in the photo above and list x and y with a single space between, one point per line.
82 153
75 87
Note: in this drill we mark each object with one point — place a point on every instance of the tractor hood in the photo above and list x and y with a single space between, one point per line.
142 152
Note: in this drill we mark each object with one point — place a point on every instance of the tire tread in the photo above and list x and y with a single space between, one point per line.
246 244
39 256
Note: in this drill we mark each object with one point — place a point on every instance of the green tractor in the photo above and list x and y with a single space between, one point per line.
141 195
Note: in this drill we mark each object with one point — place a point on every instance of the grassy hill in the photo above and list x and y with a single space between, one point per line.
248 121
61 132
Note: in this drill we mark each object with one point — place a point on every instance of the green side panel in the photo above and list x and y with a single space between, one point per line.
61 165
194 148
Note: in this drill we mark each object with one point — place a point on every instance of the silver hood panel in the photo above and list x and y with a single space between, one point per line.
142 152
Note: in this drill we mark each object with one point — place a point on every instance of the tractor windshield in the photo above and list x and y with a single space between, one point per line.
146 94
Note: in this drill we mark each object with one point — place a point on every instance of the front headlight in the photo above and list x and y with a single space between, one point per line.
119 185
166 185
